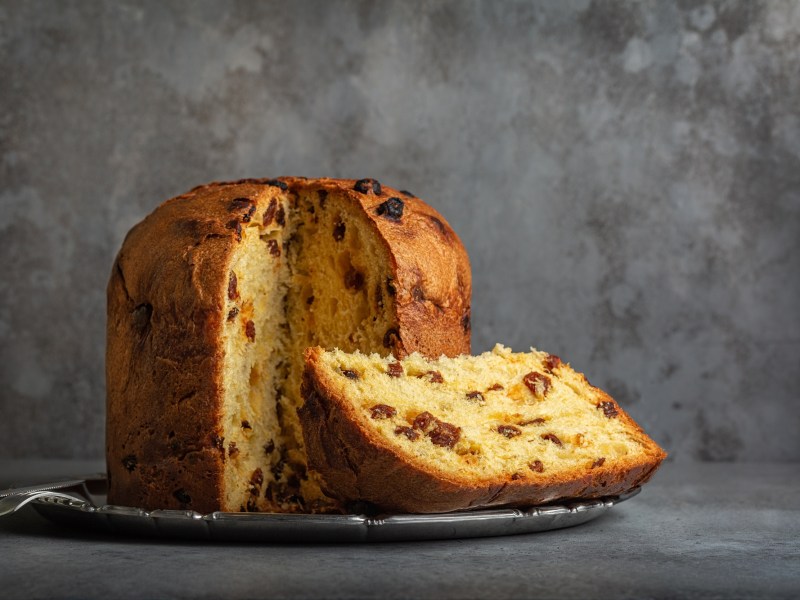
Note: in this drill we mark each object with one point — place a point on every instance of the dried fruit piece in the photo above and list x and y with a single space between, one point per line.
364 186
232 449
274 248
383 411
141 316
391 209
339 230
256 479
407 194
322 195
509 431
280 216
466 321
475 396
269 447
390 286
310 300
232 313
130 462
599 462
418 294
609 409
517 476
218 442
349 373
536 421
233 293
246 424
391 337
423 420
551 361
432 376
394 369
277 183
269 214
537 383
245 205
536 466
445 434
553 438
406 431
250 330
495 388
354 279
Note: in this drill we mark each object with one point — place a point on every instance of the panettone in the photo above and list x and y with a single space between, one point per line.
499 429
213 299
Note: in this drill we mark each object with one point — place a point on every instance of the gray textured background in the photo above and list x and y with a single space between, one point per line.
625 176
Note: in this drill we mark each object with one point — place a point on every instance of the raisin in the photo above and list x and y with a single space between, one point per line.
536 421
423 420
250 330
517 476
268 494
536 466
439 225
233 293
350 374
365 185
277 183
394 369
406 431
495 388
274 248
609 409
537 383
247 206
392 209
323 197
383 411
466 321
445 434
407 194
390 286
141 316
553 438
269 447
277 468
354 279
182 496
418 294
339 229
269 214
218 442
599 462
508 430
391 338
232 449
551 361
310 300
257 478
280 216
475 396
246 424
432 376
252 506
237 228
232 313
130 462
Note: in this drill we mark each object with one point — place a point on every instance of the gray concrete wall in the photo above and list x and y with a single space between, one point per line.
625 176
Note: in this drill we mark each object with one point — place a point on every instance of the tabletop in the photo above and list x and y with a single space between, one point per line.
697 530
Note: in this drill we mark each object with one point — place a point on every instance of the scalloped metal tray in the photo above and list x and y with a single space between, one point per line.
80 503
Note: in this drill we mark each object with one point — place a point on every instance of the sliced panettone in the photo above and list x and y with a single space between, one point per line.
214 297
500 429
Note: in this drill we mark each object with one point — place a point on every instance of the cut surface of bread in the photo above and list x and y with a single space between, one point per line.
211 303
498 429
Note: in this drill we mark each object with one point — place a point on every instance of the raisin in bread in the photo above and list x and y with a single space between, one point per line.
502 428
214 297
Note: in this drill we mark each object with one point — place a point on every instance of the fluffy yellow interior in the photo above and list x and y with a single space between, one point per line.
308 272
499 419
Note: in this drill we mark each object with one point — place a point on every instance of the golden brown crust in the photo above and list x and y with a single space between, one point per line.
166 297
357 465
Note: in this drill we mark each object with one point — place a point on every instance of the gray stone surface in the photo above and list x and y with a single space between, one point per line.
698 530
625 176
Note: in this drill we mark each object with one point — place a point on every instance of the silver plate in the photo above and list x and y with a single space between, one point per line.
81 503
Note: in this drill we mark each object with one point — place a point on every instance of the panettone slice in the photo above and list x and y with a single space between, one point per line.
500 429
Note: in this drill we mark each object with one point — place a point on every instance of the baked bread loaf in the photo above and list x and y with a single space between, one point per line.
211 302
499 429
